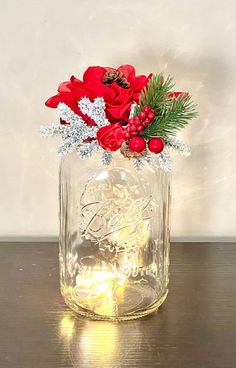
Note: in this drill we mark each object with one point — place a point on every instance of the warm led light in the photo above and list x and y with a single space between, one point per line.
101 288
96 283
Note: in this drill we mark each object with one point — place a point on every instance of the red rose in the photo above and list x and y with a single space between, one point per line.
118 99
111 137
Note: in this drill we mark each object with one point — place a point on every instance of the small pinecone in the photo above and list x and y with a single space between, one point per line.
129 154
115 76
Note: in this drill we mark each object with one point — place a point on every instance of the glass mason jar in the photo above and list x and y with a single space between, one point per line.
114 237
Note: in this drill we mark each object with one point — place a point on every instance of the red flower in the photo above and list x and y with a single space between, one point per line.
118 100
111 137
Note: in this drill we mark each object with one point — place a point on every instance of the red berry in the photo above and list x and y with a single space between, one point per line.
132 128
128 129
151 116
156 145
142 115
137 144
131 121
137 121
134 133
146 109
140 128
146 122
127 135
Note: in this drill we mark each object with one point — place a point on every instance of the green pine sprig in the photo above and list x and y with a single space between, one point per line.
157 91
171 115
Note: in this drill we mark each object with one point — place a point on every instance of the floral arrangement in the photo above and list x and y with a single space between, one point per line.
114 109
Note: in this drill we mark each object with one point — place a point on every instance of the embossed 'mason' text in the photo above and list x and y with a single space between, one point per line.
127 272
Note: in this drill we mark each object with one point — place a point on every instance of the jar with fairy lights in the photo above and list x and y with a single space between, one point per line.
117 131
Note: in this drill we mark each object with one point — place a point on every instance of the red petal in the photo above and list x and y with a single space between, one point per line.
64 87
75 87
118 112
125 111
136 97
128 71
76 81
94 73
68 85
98 89
121 95
139 83
53 101
67 98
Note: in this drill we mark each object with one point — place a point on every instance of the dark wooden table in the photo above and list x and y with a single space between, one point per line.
196 327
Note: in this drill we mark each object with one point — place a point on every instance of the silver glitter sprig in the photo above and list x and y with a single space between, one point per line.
74 135
178 146
106 157
95 110
52 130
138 162
152 160
165 161
65 113
87 149
76 131
68 145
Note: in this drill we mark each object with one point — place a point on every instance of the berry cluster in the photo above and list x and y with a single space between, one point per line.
137 124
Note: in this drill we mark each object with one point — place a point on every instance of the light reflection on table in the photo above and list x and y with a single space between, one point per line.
99 343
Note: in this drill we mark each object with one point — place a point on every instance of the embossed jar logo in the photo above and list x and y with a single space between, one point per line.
116 216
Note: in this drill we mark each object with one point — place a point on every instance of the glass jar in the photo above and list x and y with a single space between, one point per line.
114 237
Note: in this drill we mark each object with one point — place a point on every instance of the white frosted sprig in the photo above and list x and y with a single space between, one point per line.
152 160
106 157
138 162
51 130
73 133
179 146
87 149
165 161
67 145
67 114
95 110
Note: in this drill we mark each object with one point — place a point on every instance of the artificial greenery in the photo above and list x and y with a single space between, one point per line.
171 114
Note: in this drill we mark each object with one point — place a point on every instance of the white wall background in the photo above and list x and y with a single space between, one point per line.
44 42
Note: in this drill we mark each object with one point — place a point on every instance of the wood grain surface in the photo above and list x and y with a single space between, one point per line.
195 328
